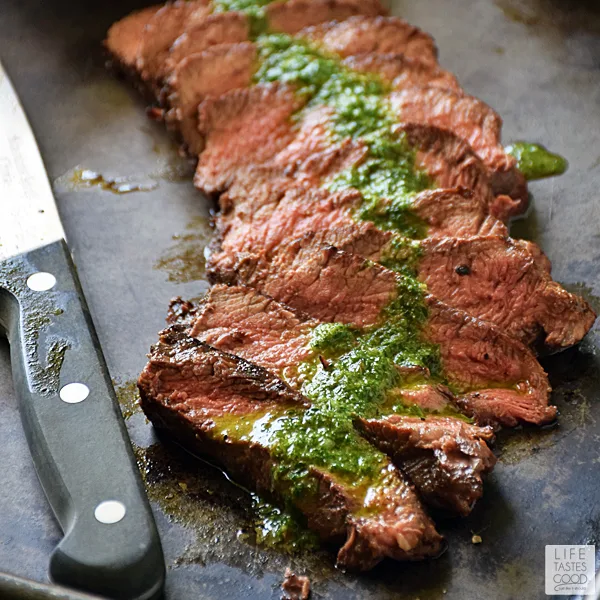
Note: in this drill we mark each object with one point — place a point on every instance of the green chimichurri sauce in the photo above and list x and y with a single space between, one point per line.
535 161
247 6
389 178
255 9
353 373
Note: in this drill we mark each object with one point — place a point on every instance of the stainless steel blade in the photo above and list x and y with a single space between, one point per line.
28 215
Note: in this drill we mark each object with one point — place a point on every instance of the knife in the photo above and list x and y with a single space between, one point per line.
72 421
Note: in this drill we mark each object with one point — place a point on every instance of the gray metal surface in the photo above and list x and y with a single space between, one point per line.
538 63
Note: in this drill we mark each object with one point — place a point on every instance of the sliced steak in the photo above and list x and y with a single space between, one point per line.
220 68
401 72
262 208
286 17
264 114
160 33
256 328
124 38
243 128
187 386
217 70
374 35
213 30
451 162
492 277
456 212
497 377
447 159
500 280
472 120
444 457
495 278
290 16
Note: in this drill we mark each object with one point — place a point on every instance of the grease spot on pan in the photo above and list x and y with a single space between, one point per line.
185 260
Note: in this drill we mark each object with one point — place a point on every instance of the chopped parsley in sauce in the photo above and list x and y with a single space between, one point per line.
535 161
353 373
389 178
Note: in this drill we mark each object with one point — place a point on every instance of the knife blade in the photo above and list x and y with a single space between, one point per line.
72 421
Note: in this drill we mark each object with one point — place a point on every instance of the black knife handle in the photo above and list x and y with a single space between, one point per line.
79 446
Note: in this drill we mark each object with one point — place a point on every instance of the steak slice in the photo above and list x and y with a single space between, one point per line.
256 328
214 30
444 457
262 208
497 378
291 16
239 132
448 160
374 35
188 386
401 72
472 120
160 33
501 280
217 70
494 278
124 37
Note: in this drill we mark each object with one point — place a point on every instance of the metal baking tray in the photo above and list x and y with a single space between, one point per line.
538 63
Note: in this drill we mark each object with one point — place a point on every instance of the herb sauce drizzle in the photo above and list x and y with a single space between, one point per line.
535 161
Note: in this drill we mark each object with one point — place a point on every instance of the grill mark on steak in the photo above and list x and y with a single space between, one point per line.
472 120
498 378
182 373
375 35
234 318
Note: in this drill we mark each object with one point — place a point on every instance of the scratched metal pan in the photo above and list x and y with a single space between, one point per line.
537 62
